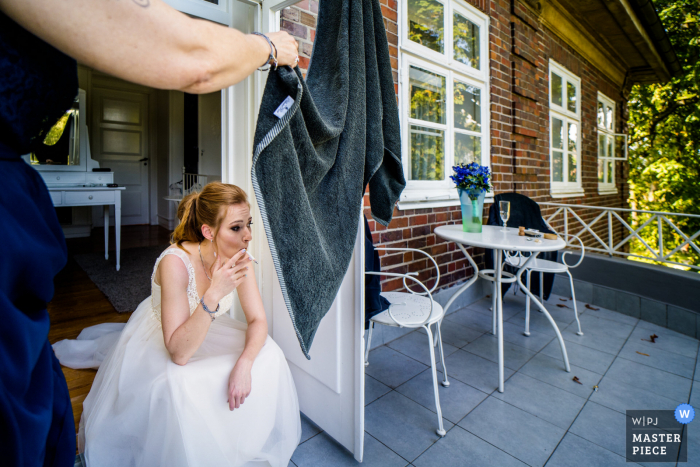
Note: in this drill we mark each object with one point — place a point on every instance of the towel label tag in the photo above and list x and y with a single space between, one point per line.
284 107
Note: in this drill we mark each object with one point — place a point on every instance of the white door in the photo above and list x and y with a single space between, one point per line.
330 385
119 141
209 135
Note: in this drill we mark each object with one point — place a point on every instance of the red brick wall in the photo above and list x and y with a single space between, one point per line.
519 52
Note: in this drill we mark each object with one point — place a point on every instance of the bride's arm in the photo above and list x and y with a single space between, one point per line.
240 381
183 333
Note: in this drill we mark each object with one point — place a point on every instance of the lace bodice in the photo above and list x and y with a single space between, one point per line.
192 297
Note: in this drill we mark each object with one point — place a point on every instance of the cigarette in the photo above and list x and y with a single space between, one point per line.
251 257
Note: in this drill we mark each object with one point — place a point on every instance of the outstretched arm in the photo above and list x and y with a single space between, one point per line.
148 42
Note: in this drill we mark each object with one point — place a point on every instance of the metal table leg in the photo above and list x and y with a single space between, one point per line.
544 310
499 318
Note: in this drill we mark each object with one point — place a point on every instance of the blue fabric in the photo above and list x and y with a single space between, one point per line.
38 85
374 302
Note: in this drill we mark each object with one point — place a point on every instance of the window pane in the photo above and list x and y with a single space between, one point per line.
426 23
427 153
557 134
609 117
611 147
601 169
571 97
467 107
573 167
601 115
467 149
557 162
466 41
611 178
556 89
601 145
427 95
573 137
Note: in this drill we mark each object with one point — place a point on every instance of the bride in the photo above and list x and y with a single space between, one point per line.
185 384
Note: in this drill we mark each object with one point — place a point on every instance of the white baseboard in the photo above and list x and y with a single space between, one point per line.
166 223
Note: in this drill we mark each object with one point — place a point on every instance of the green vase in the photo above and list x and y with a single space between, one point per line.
472 202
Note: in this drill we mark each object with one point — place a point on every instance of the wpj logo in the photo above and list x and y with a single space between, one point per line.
657 435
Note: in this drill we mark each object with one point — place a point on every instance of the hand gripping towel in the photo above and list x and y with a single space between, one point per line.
318 144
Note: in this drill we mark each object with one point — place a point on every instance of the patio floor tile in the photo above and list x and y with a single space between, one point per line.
471 319
622 397
551 370
308 429
462 449
695 395
656 328
406 427
542 400
574 451
579 355
474 370
457 335
594 339
486 347
391 367
603 327
456 401
536 341
510 308
324 451
604 313
657 381
658 358
520 434
374 389
696 377
667 340
417 346
538 323
602 426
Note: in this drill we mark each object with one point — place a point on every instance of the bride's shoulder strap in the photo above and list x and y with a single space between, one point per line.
177 252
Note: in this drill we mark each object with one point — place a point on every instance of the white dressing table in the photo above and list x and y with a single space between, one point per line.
70 179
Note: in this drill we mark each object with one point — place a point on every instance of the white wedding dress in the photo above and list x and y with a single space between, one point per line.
145 410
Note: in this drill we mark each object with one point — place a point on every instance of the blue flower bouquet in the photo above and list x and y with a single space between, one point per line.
473 181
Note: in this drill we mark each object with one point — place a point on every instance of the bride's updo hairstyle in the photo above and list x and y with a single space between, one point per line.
205 207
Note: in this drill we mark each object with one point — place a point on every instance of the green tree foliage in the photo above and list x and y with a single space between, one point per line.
664 156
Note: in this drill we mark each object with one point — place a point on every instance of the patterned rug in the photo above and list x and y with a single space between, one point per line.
125 288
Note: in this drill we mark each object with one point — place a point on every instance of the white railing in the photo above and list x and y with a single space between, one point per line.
665 226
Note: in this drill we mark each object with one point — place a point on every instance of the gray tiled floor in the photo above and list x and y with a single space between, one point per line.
543 417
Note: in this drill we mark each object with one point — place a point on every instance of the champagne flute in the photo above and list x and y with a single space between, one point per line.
504 210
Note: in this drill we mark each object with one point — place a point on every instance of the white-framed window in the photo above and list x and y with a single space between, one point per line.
443 96
564 131
611 146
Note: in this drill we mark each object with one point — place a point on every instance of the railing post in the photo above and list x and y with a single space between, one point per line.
566 224
660 225
610 234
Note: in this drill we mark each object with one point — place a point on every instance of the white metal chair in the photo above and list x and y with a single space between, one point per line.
542 266
414 310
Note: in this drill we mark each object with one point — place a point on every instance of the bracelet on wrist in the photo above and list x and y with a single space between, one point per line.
272 59
206 308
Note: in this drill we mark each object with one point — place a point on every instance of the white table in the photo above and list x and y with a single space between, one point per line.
493 238
80 195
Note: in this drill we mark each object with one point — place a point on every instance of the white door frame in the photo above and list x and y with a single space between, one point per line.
338 412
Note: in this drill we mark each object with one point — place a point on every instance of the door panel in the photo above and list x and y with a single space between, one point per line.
119 133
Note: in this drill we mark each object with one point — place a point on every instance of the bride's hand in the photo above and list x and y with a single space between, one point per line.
228 276
239 384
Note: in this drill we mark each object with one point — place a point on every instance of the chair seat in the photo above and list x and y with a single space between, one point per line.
412 314
539 265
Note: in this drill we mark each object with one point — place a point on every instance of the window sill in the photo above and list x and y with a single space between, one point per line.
424 202
607 190
568 193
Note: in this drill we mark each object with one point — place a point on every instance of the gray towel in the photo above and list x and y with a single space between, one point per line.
318 143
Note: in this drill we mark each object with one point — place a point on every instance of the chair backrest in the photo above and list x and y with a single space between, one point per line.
524 212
